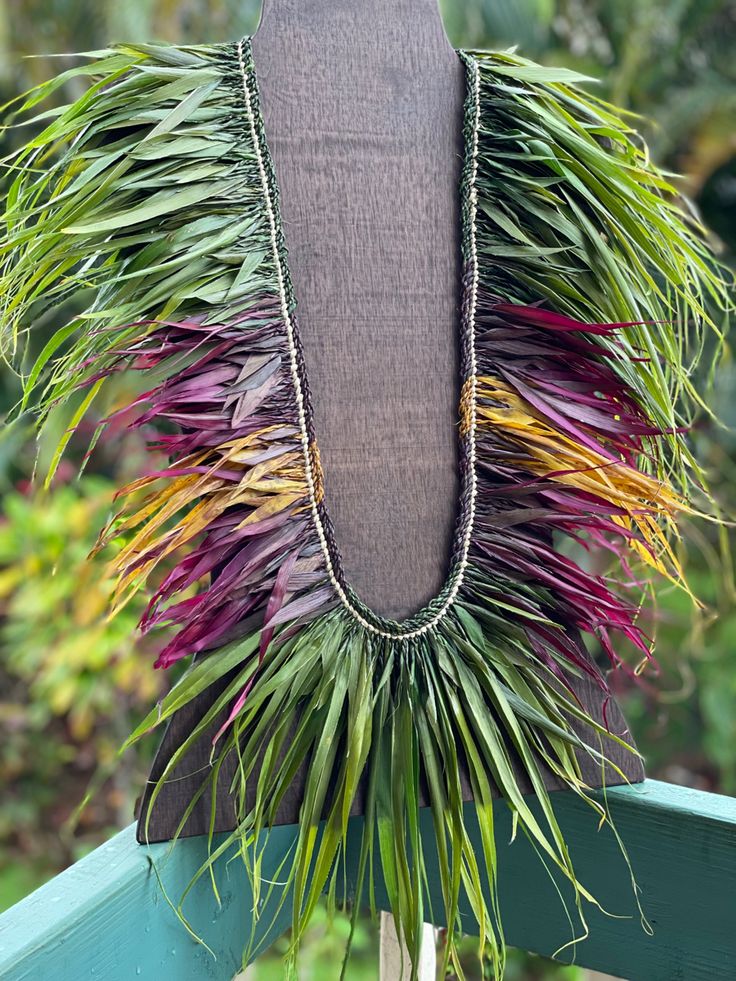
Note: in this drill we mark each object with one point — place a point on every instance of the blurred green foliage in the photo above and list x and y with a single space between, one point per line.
72 681
57 639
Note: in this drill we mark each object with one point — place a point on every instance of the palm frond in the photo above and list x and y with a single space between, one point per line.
597 293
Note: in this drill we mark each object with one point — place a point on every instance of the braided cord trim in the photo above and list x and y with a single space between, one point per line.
432 612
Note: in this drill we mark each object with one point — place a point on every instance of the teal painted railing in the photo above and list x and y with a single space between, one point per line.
106 918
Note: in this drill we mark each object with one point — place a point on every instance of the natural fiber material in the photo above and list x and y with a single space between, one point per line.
587 294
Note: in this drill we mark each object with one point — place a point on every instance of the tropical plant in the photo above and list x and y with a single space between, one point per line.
578 406
73 683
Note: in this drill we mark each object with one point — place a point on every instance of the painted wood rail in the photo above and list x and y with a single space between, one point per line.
106 918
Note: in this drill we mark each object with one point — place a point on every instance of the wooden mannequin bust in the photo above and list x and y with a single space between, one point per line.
362 104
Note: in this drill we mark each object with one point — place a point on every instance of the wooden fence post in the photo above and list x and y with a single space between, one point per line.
393 953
